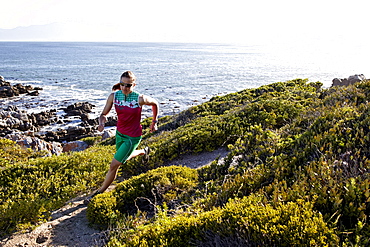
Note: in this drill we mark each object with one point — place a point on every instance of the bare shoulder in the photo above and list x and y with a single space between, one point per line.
111 96
147 100
110 99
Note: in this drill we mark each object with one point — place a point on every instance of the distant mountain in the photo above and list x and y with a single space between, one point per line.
49 32
65 32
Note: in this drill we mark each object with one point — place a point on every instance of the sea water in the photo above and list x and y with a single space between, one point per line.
178 75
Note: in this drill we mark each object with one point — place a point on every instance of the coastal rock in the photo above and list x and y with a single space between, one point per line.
44 118
56 148
111 121
89 122
7 90
77 131
14 119
348 81
84 117
17 120
108 133
78 109
72 133
75 146
36 144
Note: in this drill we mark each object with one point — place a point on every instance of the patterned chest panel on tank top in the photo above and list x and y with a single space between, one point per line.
131 100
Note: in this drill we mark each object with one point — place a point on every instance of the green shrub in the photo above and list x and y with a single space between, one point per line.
29 190
10 152
158 186
247 222
298 153
288 141
224 119
92 140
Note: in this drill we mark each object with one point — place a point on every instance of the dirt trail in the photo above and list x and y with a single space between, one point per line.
69 226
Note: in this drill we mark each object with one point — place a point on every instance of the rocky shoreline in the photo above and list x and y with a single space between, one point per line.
26 129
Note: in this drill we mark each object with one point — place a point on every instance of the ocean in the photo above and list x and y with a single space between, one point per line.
178 75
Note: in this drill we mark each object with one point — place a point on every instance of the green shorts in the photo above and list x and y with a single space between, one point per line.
125 146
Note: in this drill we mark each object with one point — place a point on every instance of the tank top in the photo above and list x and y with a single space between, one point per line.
129 113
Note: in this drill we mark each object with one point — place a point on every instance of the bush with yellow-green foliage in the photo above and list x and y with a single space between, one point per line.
10 153
144 192
297 174
242 222
32 187
222 120
289 143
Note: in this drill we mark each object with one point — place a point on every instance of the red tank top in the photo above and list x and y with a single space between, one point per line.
129 113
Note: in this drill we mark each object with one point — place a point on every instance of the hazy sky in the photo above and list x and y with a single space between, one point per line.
240 21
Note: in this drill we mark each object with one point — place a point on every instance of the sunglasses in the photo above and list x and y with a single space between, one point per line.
125 84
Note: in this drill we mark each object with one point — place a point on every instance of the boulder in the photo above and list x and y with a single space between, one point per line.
13 119
75 146
108 133
78 109
12 108
44 118
7 90
36 144
89 122
111 121
56 148
74 133
348 81
84 117
356 78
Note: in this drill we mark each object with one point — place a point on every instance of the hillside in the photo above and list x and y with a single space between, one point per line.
297 174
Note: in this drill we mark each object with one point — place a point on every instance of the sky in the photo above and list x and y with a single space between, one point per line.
216 21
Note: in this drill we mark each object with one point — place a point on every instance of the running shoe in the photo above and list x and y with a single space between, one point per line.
89 198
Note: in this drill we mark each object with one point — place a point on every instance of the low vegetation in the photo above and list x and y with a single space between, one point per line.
297 174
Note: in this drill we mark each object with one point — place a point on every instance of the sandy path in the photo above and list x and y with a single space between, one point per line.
69 226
